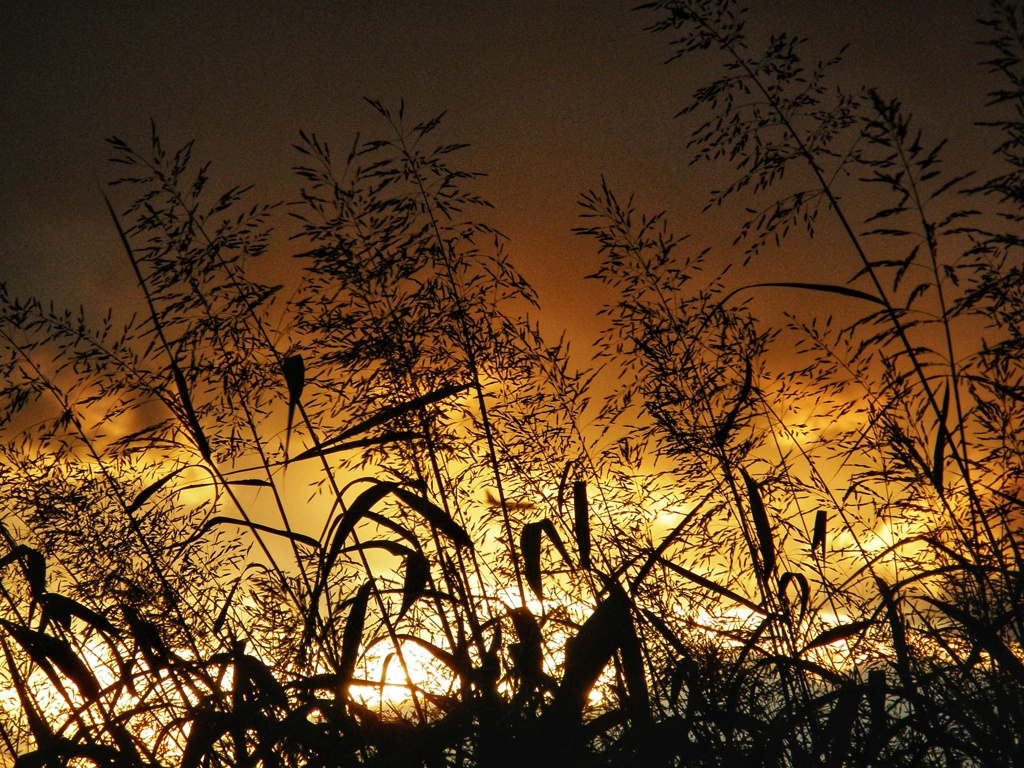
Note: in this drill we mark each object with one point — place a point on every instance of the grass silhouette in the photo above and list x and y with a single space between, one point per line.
386 522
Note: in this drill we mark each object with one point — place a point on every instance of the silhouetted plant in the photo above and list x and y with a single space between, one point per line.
236 523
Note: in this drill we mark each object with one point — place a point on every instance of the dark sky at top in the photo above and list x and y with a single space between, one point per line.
551 94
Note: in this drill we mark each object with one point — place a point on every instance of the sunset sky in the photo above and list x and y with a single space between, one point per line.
550 94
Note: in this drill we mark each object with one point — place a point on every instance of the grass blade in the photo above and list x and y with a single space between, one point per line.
457 663
294 370
222 614
529 545
762 526
356 511
48 652
434 515
582 519
586 655
353 634
938 453
190 414
387 414
417 575
899 632
148 491
561 484
609 628
820 527
33 565
835 634
548 527
37 723
838 290
61 609
803 587
348 445
298 538
708 584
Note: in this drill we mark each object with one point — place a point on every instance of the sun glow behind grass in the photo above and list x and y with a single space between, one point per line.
380 684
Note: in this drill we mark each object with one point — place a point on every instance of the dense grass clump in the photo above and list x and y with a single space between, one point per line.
381 520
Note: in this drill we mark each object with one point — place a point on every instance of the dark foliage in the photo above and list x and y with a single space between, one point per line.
381 523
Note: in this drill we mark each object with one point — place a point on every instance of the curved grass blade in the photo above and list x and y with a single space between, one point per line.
387 414
548 527
529 545
434 515
708 584
294 370
586 656
939 452
762 526
37 723
33 565
146 493
190 415
356 511
462 667
61 609
835 634
839 290
582 520
417 576
820 528
349 445
608 629
561 485
391 525
252 482
803 587
298 538
353 634
48 652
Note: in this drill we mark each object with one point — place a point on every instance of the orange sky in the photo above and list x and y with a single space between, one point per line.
551 94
